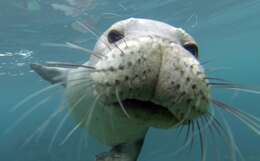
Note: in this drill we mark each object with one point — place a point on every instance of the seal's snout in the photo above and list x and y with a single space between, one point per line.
182 86
155 70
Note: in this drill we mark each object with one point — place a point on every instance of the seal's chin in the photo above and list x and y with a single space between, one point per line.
149 113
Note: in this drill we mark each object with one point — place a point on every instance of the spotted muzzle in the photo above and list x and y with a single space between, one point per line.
153 73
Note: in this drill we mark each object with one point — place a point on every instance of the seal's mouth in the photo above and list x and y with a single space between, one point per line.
137 109
147 106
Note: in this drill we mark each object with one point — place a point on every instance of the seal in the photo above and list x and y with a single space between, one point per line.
142 73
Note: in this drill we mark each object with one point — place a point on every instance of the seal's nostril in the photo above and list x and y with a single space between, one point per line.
114 36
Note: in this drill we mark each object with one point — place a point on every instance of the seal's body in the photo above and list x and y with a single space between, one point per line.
142 73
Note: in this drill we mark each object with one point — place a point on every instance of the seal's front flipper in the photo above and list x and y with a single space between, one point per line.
122 152
51 74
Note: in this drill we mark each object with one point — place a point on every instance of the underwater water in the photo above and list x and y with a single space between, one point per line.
227 32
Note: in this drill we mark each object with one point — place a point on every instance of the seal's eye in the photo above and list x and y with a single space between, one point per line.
193 48
114 36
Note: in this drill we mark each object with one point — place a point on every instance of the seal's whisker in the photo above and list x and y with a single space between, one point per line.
92 108
75 46
86 84
64 119
180 130
205 62
201 131
51 44
220 84
71 46
70 134
189 133
80 79
188 130
243 115
125 42
46 123
79 73
188 140
29 139
217 79
211 70
89 117
192 135
234 149
122 52
69 65
41 128
35 94
81 144
87 28
121 104
212 134
249 120
90 114
211 128
217 125
26 114
112 14
236 87
89 84
57 131
202 141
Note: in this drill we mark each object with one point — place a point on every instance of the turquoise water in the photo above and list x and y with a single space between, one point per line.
227 32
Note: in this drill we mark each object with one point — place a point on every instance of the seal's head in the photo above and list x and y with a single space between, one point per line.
151 65
141 73
146 68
